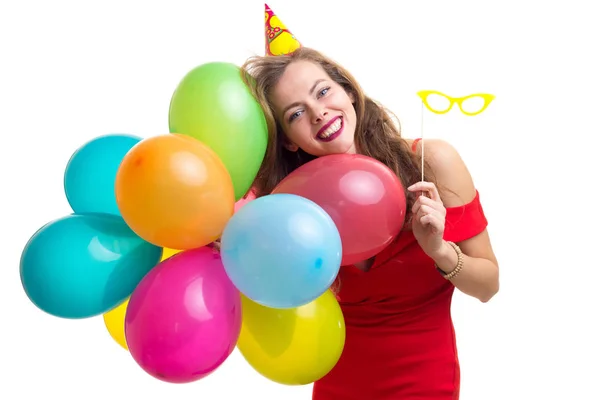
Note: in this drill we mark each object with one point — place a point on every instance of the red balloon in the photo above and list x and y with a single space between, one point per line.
364 197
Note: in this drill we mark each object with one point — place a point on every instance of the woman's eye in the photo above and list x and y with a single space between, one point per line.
294 115
323 92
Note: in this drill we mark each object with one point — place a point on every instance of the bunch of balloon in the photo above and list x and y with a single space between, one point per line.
283 252
267 291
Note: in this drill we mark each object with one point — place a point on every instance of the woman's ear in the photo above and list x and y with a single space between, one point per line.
290 146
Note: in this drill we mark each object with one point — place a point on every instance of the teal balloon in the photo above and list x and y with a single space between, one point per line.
213 105
281 250
81 266
89 180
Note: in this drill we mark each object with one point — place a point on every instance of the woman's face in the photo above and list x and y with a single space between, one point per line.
316 113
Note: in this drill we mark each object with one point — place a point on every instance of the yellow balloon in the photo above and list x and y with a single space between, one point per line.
115 318
168 253
115 323
294 346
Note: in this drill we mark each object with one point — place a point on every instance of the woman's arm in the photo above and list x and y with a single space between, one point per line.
479 276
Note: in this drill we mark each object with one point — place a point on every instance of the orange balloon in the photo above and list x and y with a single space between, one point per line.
175 192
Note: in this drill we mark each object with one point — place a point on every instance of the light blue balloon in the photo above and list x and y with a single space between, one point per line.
81 266
281 250
91 172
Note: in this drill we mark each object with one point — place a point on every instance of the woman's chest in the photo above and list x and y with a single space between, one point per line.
402 274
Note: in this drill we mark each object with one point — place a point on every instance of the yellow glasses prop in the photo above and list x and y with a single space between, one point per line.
441 103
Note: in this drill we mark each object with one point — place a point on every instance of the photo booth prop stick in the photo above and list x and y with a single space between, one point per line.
440 103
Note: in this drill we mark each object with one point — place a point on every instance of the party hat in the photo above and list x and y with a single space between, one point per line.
278 39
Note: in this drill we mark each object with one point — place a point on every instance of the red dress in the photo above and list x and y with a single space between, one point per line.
400 342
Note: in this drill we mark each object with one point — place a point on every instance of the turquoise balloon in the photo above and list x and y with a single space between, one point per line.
281 250
91 172
80 266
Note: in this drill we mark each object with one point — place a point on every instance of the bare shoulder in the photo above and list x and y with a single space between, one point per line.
454 181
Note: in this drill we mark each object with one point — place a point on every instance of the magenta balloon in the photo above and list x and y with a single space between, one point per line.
184 318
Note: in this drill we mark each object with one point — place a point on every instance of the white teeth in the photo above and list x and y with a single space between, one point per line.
333 128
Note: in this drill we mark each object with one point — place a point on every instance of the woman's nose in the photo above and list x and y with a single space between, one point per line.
319 116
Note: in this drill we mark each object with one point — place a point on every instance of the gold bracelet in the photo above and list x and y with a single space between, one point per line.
459 264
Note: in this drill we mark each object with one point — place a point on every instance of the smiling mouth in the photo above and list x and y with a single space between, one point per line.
331 131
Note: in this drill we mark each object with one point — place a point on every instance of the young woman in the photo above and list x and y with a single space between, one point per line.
400 340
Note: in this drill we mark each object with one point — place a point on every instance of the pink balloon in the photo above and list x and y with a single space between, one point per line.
241 202
184 318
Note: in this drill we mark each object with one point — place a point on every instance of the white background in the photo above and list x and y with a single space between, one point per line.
71 71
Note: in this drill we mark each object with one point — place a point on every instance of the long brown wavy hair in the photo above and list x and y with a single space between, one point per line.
376 134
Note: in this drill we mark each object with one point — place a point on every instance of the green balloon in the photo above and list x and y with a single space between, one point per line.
212 104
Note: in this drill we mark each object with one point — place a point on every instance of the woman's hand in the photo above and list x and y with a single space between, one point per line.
429 218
